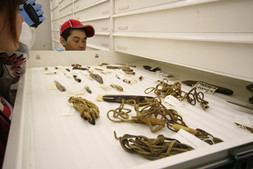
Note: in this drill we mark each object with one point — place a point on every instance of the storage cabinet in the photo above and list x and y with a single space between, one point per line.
211 35
93 12
207 40
207 35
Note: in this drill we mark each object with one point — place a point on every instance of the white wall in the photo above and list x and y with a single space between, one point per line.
43 38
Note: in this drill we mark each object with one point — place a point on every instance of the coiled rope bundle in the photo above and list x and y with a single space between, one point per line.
152 149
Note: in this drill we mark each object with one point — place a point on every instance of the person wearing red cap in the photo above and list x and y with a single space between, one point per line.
74 35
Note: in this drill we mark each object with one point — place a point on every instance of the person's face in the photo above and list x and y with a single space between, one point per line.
76 40
7 43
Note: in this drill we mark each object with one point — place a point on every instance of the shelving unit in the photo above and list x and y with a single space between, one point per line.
206 40
211 35
93 12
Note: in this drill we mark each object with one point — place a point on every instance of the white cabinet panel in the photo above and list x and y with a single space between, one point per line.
55 24
54 14
99 10
56 35
79 4
65 18
54 4
99 41
67 10
129 5
229 59
102 25
222 16
64 3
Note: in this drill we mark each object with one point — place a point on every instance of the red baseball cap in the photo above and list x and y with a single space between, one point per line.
72 23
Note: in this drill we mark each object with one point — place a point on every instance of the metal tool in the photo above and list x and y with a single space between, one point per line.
119 98
247 107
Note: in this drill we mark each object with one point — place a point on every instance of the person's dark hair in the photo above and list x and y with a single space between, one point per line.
66 34
10 7
68 31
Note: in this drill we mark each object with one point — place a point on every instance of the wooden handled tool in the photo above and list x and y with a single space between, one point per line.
220 89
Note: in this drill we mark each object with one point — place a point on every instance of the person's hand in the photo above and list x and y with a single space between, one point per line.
29 19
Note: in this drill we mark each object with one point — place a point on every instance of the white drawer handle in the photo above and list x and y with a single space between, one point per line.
104 44
105 12
122 47
104 28
122 27
123 7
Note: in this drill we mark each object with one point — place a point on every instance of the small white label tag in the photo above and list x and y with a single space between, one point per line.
67 111
206 87
189 139
171 100
242 120
51 87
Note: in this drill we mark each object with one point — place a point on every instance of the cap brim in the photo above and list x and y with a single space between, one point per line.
89 30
